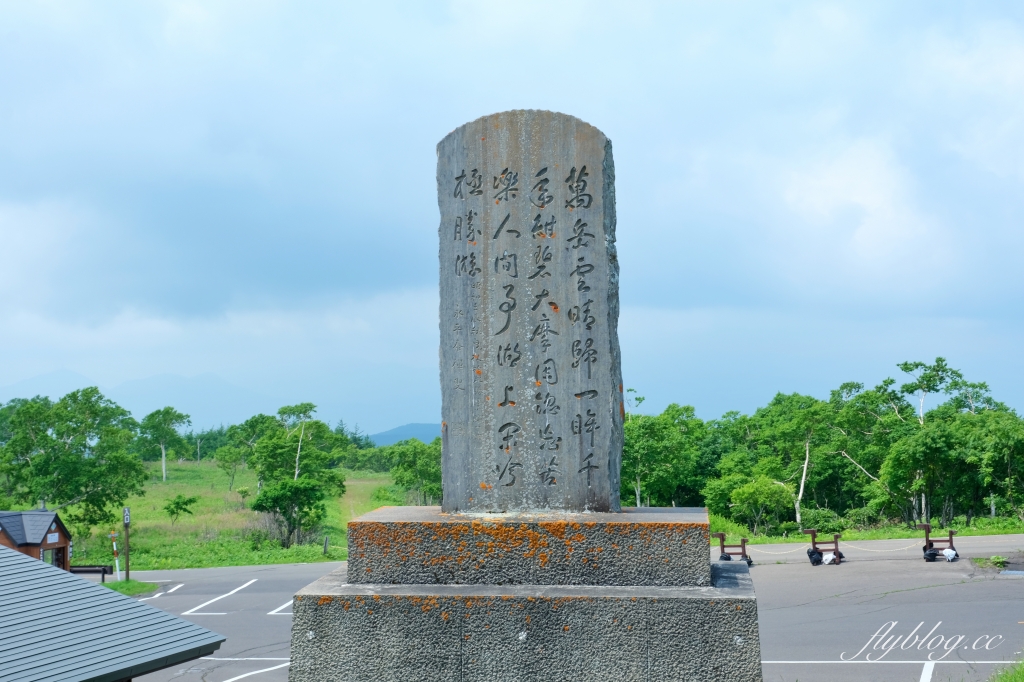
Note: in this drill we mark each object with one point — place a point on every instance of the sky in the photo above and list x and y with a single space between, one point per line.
231 206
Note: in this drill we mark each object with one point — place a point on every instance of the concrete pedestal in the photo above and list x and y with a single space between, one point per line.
383 633
431 596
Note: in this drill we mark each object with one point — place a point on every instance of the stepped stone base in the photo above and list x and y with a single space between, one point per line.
421 545
376 632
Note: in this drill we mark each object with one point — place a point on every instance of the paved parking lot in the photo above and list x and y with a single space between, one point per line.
884 615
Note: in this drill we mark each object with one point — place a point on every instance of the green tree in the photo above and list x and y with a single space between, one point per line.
159 431
301 452
756 501
178 506
417 466
228 458
655 460
295 417
299 503
249 432
73 454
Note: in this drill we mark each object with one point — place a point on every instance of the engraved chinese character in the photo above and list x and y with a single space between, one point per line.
584 353
508 402
546 404
508 433
581 271
581 425
541 259
548 440
472 231
466 265
457 384
579 235
541 229
589 394
540 298
546 372
508 355
507 307
548 475
582 314
544 331
577 187
507 471
474 184
539 195
509 230
588 466
506 263
507 186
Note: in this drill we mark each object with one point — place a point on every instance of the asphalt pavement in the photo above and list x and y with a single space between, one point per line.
884 614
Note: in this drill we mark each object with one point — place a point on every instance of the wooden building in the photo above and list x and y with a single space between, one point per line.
39 534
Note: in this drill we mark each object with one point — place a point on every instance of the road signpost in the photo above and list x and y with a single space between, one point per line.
127 546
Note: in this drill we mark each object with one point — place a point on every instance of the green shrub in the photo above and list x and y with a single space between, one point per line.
388 496
861 518
825 521
788 528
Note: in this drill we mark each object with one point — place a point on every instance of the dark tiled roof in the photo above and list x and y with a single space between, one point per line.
50 622
29 527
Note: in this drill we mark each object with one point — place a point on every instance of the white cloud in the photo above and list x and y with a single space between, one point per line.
858 217
975 81
37 242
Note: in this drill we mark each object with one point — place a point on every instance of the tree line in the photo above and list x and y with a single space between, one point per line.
860 457
85 455
863 456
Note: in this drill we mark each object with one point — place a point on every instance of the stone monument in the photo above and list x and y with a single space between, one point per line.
529 570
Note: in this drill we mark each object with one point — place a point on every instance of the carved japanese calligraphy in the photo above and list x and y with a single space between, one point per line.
473 184
507 307
543 229
543 331
529 348
508 355
541 259
539 195
577 187
506 184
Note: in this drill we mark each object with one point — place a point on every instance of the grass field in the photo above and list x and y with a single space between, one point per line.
979 526
219 532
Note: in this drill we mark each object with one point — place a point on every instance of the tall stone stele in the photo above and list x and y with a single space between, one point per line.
529 570
530 380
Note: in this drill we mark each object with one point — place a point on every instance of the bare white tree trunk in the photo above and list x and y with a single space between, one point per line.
299 451
163 460
803 479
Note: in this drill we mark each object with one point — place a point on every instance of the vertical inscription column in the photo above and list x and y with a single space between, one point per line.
530 376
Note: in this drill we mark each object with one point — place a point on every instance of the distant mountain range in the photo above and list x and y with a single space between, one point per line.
424 432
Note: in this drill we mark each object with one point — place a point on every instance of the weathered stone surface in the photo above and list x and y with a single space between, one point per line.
421 545
530 379
491 633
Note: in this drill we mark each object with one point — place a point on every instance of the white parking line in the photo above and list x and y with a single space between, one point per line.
191 612
276 612
257 672
926 673
175 587
154 596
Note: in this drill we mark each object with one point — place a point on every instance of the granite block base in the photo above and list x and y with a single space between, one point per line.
493 633
422 545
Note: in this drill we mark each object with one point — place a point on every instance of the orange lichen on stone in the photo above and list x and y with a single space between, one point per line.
565 628
324 600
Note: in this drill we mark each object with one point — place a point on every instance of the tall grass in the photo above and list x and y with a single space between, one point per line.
218 533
